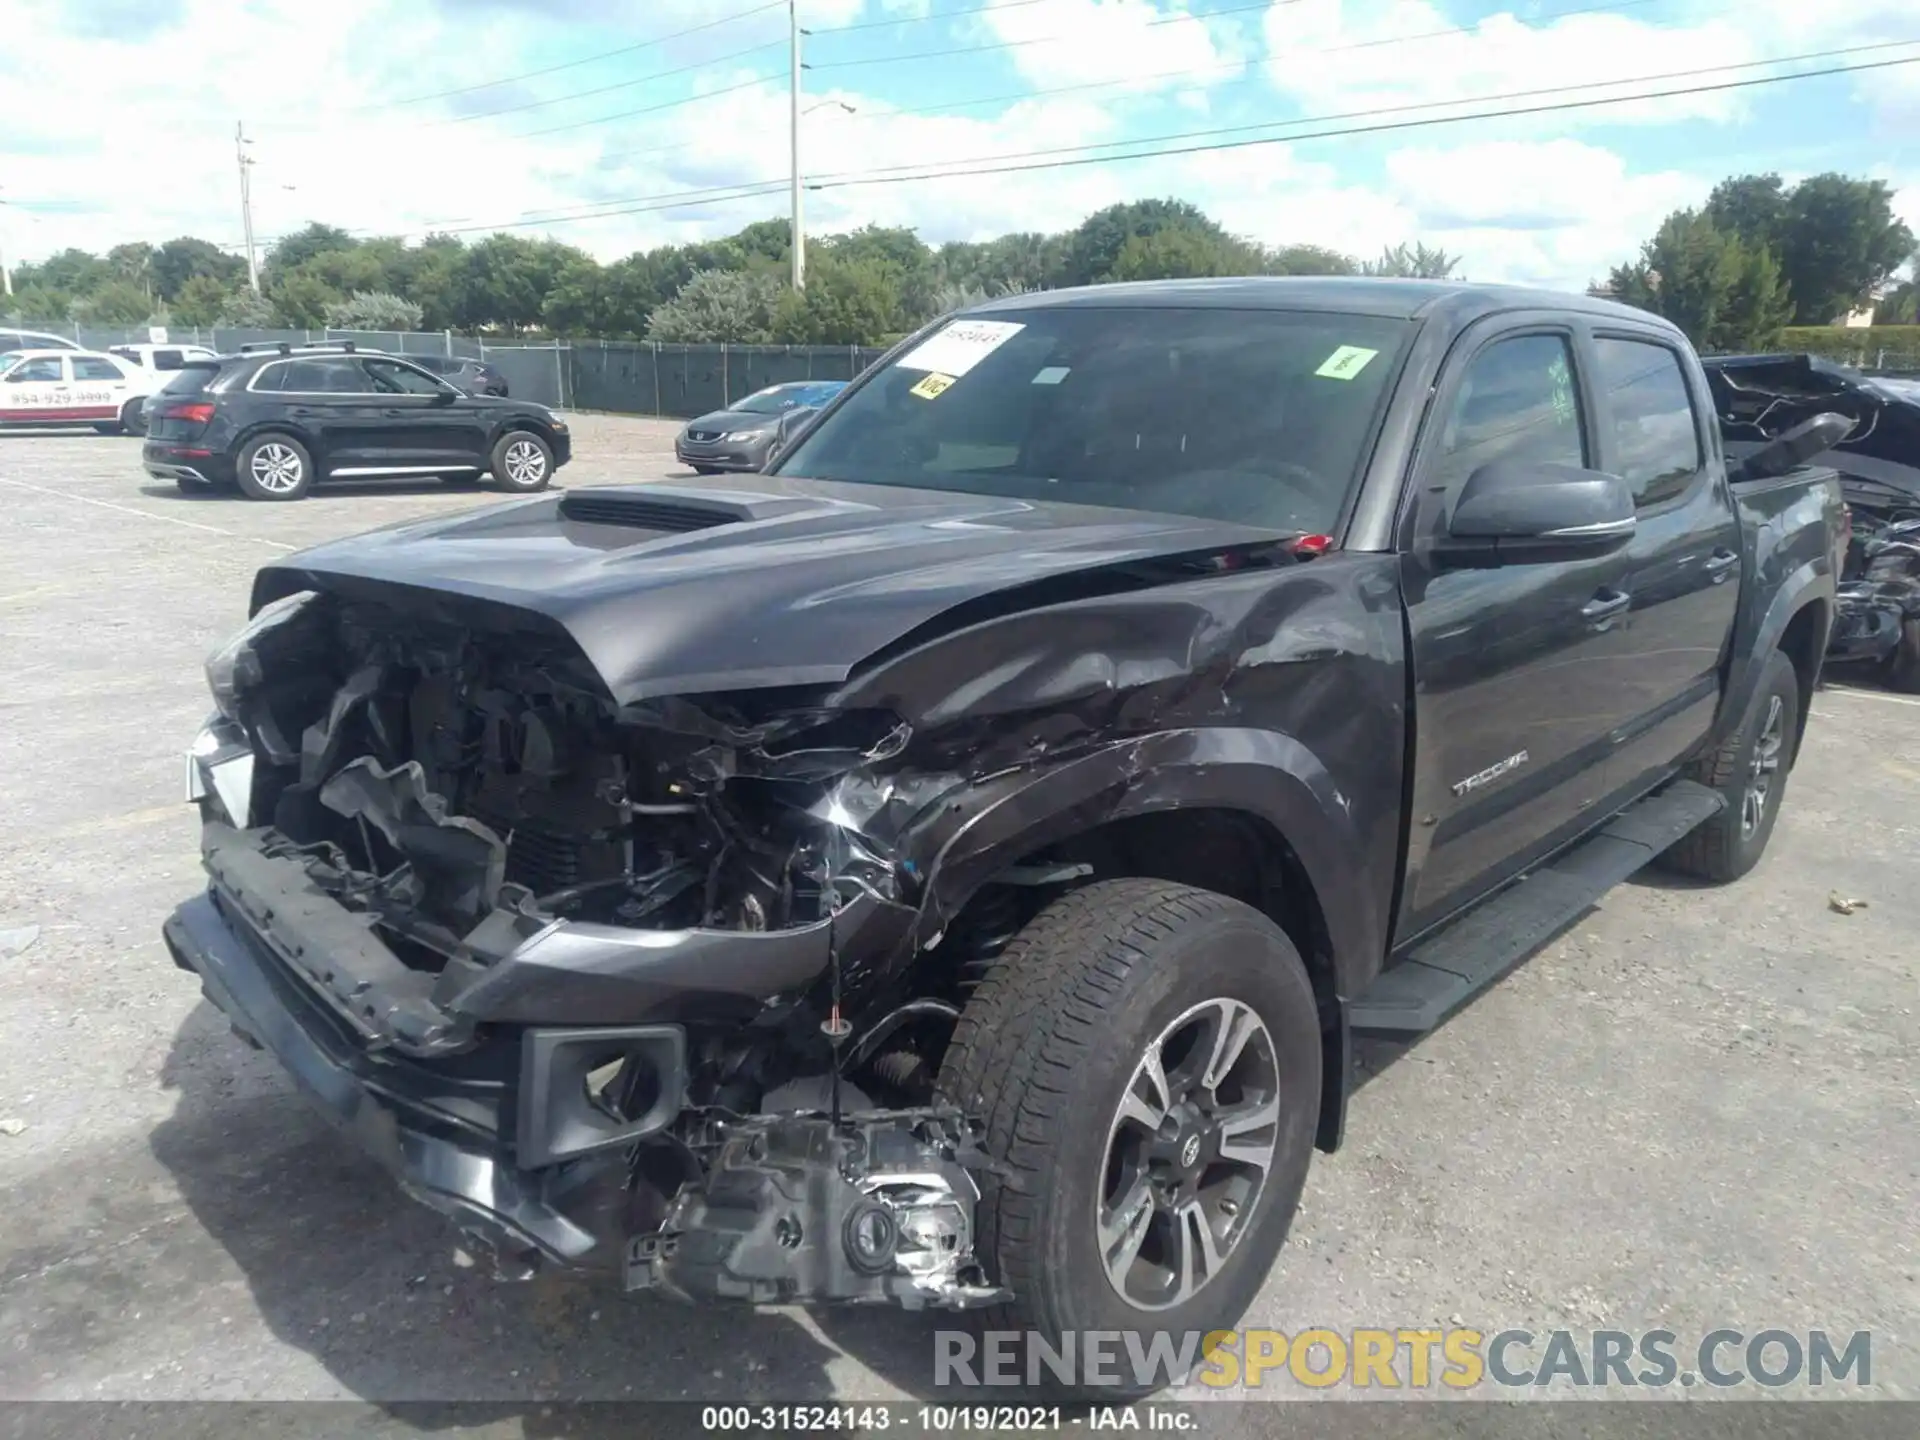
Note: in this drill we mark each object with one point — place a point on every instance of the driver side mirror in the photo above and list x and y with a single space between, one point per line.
446 395
1518 512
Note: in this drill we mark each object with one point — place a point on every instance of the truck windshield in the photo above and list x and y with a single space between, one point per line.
1261 417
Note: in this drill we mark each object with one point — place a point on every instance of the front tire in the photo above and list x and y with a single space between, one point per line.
274 467
1146 1058
1750 772
522 462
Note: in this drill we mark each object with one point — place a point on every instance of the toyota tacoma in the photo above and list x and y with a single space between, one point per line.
951 868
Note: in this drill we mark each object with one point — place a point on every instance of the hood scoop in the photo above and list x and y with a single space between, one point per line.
675 511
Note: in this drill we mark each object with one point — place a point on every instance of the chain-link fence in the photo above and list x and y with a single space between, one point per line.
1876 349
629 377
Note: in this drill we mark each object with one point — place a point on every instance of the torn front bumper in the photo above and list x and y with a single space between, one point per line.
472 1088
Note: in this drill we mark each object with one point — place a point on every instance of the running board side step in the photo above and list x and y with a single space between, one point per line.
1444 972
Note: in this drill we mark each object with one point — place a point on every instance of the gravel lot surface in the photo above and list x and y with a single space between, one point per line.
1697 1110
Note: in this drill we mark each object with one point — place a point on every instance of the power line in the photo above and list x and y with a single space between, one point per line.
1051 158
1397 109
1192 70
576 64
877 179
605 89
1036 39
1047 159
646 109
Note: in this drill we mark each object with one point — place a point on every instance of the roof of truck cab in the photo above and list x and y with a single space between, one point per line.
1460 300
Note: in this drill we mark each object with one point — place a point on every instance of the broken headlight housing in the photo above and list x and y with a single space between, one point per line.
234 668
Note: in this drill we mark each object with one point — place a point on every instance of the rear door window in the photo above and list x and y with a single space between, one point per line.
44 370
92 367
1656 440
392 378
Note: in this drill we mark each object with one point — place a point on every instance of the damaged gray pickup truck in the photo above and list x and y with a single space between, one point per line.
952 867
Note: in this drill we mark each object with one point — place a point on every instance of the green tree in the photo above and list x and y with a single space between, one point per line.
1839 243
247 309
431 278
1417 261
719 306
1182 254
504 280
1093 247
200 301
74 271
1751 207
373 310
118 302
133 263
290 252
181 260
845 302
36 304
1757 304
1310 260
300 300
1725 294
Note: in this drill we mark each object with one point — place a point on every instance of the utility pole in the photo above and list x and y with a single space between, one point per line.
6 275
799 230
246 202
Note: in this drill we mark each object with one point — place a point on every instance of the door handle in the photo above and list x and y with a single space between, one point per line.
1720 564
300 410
1605 605
394 412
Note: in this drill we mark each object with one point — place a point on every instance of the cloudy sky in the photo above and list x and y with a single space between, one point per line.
620 124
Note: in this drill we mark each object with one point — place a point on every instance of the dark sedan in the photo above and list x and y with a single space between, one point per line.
476 377
739 437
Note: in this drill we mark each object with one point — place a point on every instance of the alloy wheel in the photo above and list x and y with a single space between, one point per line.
525 462
276 468
1764 766
1188 1153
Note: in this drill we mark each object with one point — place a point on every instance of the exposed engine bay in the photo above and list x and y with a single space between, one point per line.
463 803
443 770
1759 397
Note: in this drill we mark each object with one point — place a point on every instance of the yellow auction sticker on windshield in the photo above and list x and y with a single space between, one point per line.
1346 362
931 385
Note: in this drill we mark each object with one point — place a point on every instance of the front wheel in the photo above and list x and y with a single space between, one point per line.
274 467
522 462
1146 1059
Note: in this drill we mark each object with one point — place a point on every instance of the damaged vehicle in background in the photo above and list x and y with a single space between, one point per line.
950 869
1759 397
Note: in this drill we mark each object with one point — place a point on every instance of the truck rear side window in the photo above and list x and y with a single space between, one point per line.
1517 402
1656 445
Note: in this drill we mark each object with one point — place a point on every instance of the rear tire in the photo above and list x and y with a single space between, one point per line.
1903 666
274 466
1750 772
131 419
522 462
1099 1202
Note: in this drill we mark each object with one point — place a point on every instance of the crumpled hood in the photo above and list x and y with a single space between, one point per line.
793 582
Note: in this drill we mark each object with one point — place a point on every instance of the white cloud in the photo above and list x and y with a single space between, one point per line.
1335 57
1071 42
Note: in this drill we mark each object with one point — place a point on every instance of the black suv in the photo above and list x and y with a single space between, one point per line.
273 420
